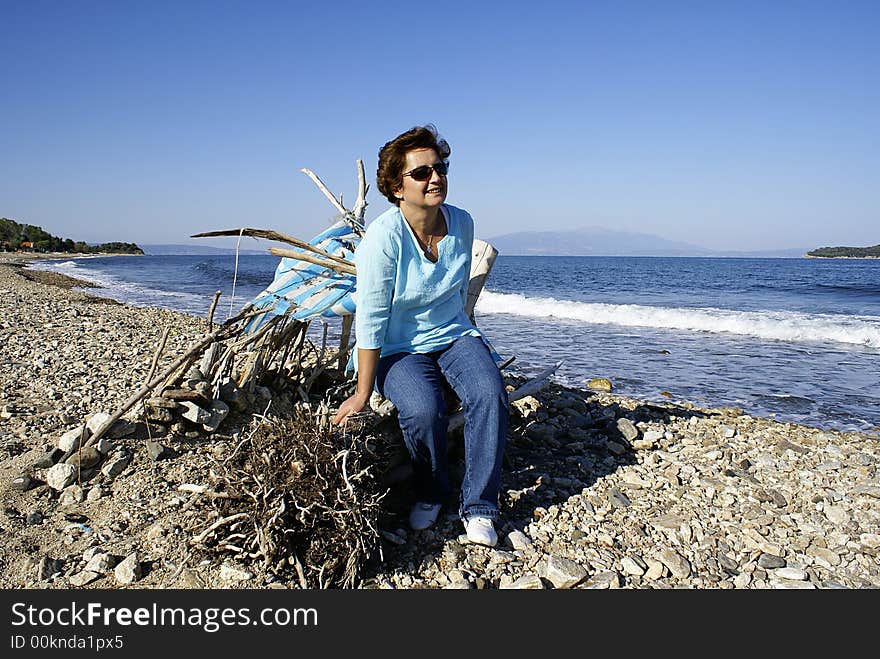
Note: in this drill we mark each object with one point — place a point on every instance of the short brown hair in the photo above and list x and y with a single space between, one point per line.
392 157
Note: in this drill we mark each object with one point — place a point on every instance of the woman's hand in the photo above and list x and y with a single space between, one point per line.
351 405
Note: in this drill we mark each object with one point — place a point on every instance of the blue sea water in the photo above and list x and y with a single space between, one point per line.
794 339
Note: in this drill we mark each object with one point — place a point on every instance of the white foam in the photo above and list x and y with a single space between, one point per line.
122 291
774 325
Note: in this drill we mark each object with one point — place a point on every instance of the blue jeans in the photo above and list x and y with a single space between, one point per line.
414 383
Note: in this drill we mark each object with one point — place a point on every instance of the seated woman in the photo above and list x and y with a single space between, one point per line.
413 268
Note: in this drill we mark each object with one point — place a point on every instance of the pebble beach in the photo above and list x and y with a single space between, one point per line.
599 491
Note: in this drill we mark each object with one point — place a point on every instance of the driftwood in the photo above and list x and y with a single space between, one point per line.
298 495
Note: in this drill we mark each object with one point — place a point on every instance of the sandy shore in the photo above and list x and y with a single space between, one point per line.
599 491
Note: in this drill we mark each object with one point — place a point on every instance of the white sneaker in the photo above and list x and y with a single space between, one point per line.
481 531
423 515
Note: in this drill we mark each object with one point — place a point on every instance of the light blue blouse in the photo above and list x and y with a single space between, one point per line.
405 302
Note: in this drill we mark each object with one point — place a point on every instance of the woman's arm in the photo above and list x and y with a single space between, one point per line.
368 359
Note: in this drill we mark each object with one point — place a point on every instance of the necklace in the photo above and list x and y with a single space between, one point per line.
429 247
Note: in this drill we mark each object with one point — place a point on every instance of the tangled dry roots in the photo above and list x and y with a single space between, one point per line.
310 497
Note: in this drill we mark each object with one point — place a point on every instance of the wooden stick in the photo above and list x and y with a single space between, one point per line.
158 353
273 235
361 205
347 268
143 391
327 193
347 322
211 311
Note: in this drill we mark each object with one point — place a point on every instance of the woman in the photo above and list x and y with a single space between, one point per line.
413 268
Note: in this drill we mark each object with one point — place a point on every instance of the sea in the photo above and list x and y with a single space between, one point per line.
794 339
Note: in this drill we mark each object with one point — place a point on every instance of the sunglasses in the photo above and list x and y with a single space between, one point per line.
423 173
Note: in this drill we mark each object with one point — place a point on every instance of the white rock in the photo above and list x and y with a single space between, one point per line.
870 540
655 570
69 441
194 413
101 562
96 421
234 573
563 572
630 567
837 515
129 570
677 564
526 582
60 476
791 573
742 580
519 540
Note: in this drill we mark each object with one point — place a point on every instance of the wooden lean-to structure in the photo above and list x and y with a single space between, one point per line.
296 495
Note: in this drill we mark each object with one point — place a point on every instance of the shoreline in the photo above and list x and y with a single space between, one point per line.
610 491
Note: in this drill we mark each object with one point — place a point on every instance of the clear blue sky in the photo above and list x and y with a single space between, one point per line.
731 124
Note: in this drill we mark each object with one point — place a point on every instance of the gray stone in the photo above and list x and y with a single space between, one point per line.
526 582
157 451
83 578
95 421
792 573
101 562
770 562
70 440
519 540
631 567
22 483
230 572
48 567
105 446
115 466
85 458
61 475
618 499
870 540
677 564
34 518
219 411
49 458
786 584
71 495
837 515
563 572
627 428
129 570
122 428
653 436
194 413
603 580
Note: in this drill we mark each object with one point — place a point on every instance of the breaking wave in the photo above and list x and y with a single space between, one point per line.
772 325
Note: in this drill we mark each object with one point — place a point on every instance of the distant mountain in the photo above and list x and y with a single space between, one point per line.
591 242
596 241
195 250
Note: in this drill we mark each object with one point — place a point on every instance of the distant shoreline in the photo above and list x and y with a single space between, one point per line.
857 258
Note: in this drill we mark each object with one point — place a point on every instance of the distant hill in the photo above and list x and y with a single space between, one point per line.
596 241
591 242
15 236
196 250
847 252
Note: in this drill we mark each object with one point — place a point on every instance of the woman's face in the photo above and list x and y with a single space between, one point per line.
423 194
